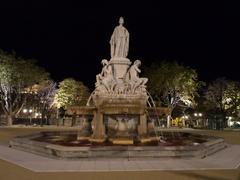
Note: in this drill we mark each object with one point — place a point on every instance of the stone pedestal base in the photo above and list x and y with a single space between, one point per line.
96 140
109 105
122 141
120 66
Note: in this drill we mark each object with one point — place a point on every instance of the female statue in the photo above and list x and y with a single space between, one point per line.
133 76
119 40
106 78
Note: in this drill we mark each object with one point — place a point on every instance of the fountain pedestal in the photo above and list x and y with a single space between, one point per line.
122 105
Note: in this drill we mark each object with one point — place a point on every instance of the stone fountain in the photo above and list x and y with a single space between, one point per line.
120 94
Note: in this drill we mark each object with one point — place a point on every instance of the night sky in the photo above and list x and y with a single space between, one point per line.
70 39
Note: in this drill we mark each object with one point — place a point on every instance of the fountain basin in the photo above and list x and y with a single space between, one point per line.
66 145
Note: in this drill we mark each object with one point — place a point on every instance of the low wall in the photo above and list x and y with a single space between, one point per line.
58 151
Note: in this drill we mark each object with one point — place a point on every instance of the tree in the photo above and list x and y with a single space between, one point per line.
222 98
215 94
172 84
16 75
71 92
45 92
232 98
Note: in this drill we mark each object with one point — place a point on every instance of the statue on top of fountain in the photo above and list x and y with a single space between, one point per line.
119 40
118 76
105 78
132 77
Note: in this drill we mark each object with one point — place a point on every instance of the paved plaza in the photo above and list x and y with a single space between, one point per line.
228 158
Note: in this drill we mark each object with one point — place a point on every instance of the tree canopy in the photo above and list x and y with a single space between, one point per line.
16 76
232 98
223 96
171 84
71 92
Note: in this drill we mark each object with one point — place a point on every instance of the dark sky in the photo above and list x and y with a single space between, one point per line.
70 39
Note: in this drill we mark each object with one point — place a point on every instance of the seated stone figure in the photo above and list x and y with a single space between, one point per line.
105 78
133 77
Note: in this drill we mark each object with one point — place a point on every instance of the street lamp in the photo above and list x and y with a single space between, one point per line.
198 115
29 113
184 118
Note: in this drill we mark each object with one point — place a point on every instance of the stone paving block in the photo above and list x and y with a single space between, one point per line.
102 165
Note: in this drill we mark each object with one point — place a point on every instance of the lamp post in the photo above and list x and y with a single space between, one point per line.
184 118
28 112
198 116
30 116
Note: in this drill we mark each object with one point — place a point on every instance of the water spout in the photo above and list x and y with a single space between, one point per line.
153 105
90 98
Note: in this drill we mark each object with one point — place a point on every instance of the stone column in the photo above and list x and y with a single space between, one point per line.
142 127
99 128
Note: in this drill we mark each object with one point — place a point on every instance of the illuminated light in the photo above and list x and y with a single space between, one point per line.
30 110
200 114
231 123
195 114
24 110
36 114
